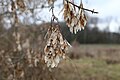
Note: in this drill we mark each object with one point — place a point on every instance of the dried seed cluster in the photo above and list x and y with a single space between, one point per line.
51 1
33 58
76 20
56 48
17 38
18 4
21 5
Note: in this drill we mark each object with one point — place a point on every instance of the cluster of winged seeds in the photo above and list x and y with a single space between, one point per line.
75 19
56 48
51 1
20 5
17 4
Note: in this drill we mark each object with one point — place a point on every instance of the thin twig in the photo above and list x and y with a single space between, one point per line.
54 18
82 7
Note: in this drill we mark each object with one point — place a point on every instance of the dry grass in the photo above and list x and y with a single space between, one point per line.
88 69
96 62
109 53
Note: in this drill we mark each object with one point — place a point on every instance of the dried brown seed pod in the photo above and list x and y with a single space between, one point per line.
74 20
51 1
55 49
20 5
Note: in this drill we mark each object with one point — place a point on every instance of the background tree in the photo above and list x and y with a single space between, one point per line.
22 46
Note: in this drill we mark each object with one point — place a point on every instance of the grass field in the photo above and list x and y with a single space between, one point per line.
103 65
85 62
88 69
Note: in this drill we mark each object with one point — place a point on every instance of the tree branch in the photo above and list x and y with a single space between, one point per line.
82 7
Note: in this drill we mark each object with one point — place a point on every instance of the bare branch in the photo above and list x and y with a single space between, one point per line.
82 7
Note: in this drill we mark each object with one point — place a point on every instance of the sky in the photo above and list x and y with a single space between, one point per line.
107 9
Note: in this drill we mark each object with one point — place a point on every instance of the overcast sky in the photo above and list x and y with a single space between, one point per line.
106 9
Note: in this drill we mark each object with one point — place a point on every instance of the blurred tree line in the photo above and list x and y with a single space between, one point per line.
91 35
87 36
